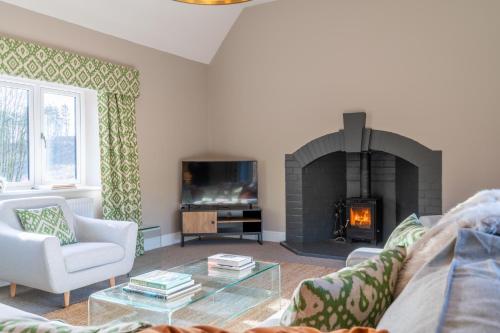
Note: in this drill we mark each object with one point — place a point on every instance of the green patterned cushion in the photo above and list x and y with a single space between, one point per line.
41 326
48 221
406 233
354 296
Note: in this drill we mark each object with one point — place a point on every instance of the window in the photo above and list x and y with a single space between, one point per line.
15 102
59 137
40 133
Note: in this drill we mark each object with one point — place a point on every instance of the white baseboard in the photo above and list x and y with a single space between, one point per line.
170 239
175 238
273 236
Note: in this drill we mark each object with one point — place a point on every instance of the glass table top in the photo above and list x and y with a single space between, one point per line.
213 281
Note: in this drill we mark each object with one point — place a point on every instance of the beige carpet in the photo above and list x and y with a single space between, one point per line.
291 275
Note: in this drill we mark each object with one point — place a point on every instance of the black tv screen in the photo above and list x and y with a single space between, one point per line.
219 183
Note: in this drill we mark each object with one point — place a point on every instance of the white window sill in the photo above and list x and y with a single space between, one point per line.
46 191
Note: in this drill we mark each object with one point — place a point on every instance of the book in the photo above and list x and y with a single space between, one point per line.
229 274
162 280
184 292
249 265
229 259
161 291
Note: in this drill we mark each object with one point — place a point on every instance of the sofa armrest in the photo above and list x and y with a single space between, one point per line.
30 259
95 230
361 254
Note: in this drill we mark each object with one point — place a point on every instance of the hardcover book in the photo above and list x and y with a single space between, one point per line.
229 260
161 291
190 291
162 280
248 266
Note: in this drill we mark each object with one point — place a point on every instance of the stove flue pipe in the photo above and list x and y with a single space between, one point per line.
365 182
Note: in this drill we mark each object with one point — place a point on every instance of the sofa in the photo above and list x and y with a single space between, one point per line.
104 250
456 290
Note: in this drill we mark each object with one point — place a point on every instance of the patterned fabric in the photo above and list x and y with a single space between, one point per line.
39 326
32 61
406 233
354 296
119 161
47 221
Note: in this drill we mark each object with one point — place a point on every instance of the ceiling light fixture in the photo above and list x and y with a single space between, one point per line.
212 2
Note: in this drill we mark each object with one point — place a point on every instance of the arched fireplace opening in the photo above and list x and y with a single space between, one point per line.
351 188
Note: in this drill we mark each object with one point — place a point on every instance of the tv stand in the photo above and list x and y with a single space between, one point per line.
221 221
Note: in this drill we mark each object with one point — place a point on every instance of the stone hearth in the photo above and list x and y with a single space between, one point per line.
404 175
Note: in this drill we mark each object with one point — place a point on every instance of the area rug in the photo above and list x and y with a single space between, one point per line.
291 275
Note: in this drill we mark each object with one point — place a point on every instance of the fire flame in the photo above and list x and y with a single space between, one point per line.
361 217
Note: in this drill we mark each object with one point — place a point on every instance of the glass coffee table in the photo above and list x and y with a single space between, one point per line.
223 297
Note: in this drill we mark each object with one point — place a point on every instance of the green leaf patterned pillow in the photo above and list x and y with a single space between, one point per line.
406 233
48 221
353 296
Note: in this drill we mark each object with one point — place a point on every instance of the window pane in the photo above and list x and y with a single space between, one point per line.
14 136
59 133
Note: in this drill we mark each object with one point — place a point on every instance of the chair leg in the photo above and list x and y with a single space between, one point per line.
112 282
12 290
66 299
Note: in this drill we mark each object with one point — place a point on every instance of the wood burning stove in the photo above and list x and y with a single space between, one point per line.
363 214
363 219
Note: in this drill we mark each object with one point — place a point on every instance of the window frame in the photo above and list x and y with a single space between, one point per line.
37 176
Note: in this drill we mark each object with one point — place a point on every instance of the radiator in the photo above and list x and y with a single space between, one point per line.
82 206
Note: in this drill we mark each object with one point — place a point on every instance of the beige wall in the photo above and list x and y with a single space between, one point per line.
426 69
171 111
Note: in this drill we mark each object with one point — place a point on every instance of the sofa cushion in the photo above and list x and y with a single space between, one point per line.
473 294
418 306
458 290
406 233
429 221
45 326
8 312
361 254
83 255
354 296
47 220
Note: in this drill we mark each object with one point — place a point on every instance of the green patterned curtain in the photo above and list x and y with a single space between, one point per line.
117 87
119 161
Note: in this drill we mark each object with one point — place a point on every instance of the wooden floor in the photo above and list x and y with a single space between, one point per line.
40 302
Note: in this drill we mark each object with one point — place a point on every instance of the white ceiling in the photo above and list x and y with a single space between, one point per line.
190 31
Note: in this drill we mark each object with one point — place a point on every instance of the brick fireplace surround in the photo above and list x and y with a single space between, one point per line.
405 175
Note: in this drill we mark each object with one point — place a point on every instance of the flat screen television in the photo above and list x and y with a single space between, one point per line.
219 183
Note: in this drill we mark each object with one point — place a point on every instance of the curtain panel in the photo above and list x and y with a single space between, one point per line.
117 87
120 160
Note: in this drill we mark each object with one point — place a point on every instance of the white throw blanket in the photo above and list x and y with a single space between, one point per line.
480 212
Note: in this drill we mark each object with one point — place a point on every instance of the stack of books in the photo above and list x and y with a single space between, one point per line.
230 265
163 284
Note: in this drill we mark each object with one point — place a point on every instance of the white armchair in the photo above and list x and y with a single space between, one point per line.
105 249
